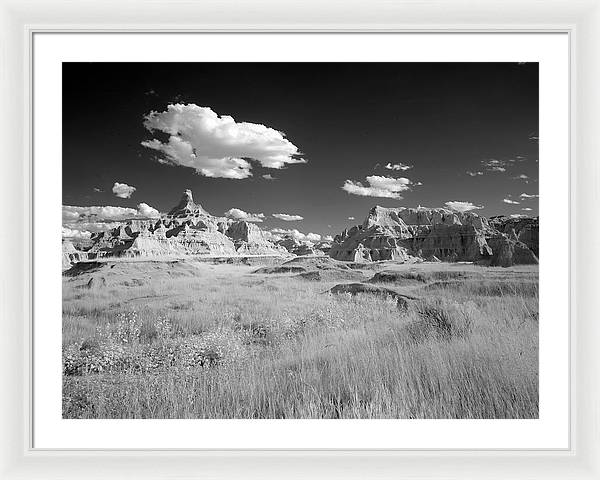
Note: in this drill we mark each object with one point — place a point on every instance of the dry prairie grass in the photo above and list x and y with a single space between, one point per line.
220 342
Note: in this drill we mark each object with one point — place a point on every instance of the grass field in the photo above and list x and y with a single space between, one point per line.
186 339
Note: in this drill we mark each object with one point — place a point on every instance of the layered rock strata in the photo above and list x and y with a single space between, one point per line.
414 234
187 229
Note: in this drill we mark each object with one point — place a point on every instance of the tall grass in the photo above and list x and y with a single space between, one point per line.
281 348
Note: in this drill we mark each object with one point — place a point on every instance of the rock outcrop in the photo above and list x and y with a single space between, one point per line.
187 229
522 229
410 234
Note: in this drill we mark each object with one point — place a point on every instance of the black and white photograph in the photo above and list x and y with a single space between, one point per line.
300 240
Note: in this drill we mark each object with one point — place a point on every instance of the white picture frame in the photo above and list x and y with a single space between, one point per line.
18 23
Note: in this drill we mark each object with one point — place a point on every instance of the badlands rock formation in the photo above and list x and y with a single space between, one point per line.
524 230
187 229
416 234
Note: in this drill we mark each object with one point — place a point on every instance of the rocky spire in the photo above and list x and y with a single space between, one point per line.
187 207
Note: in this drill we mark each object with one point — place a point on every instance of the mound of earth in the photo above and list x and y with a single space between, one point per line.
83 267
130 273
319 263
423 276
280 269
96 282
331 275
358 288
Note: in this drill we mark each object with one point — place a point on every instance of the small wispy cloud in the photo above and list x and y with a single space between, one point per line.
521 177
398 166
268 176
510 202
351 218
474 174
287 217
494 165
526 209
461 206
98 190
527 195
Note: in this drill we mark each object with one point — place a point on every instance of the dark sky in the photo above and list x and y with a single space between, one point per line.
347 119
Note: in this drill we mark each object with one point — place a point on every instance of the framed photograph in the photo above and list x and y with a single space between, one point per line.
314 250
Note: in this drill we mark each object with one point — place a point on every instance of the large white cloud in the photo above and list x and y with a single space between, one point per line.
122 190
217 146
462 206
378 186
238 214
288 218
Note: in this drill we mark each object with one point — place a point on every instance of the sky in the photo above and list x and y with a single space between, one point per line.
306 146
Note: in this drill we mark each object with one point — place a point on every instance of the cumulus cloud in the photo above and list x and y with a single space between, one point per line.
378 186
474 174
82 222
517 215
328 238
462 206
146 210
106 213
75 233
398 166
122 190
510 202
268 176
217 146
238 214
526 195
288 218
296 235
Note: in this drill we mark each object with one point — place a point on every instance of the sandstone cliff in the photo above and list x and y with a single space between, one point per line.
413 234
187 229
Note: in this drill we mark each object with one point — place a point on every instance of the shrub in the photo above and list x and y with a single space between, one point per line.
446 319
